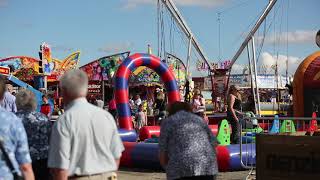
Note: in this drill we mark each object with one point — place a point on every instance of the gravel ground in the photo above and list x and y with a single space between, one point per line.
141 174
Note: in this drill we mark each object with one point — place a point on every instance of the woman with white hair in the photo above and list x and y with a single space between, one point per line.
38 129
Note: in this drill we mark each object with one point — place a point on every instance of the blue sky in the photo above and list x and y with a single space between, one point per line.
102 27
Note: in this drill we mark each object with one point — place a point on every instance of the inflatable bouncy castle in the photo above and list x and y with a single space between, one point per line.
306 86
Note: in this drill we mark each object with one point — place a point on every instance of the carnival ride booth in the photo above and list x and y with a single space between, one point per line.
306 86
36 74
101 74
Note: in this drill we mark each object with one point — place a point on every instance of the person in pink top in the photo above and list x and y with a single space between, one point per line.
113 107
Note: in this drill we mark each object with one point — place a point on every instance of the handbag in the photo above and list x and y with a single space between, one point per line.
6 158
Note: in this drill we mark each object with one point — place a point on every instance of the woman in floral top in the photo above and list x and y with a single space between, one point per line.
187 145
38 129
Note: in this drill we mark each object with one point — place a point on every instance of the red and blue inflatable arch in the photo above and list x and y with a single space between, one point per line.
122 89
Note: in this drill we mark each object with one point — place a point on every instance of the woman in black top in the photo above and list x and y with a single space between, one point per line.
234 110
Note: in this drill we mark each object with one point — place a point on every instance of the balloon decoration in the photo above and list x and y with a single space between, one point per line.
121 83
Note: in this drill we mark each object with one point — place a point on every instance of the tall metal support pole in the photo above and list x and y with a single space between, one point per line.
186 30
45 81
103 93
189 57
252 80
252 32
255 74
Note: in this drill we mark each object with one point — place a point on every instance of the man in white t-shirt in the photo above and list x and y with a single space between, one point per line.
84 142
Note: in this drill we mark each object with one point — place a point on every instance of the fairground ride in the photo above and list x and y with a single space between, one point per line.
193 43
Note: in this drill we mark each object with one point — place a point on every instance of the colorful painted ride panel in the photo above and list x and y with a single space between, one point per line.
178 68
15 63
47 65
146 75
25 68
104 68
61 66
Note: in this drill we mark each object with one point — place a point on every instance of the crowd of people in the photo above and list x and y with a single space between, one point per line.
84 141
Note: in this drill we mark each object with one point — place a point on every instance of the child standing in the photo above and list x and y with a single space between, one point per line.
141 118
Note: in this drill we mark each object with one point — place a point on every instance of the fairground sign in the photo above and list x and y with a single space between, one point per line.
4 70
94 87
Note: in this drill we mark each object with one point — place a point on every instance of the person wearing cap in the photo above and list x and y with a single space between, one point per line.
233 112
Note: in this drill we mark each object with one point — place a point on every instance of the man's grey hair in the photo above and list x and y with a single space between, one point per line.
9 87
75 83
26 100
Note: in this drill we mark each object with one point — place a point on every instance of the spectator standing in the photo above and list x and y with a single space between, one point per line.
160 105
150 106
141 118
113 107
187 145
198 105
38 129
8 102
85 143
14 140
45 106
137 100
233 113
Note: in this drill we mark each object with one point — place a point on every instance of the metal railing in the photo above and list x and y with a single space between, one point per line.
267 125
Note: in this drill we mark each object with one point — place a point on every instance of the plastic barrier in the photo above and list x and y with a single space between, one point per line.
275 125
313 123
145 155
147 132
121 83
265 125
287 126
127 135
224 132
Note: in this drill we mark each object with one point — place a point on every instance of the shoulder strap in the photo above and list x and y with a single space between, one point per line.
7 159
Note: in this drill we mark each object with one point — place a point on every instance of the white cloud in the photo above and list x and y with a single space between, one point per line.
267 61
295 37
116 47
238 68
130 4
267 64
